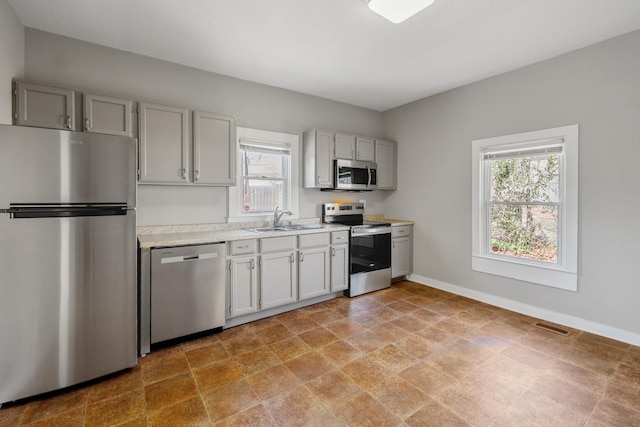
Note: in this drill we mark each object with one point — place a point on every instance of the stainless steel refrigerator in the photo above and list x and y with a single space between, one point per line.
68 287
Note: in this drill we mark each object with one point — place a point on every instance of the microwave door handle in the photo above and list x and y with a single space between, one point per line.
368 176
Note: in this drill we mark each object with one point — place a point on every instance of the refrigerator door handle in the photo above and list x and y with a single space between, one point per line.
22 212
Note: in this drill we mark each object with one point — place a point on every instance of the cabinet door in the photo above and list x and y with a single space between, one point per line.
365 150
386 161
243 284
163 144
339 268
314 268
44 106
214 149
401 256
278 284
345 146
105 114
324 159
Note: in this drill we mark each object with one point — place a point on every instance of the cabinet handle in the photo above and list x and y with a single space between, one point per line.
197 174
358 155
301 256
69 122
86 124
333 251
353 154
292 258
253 264
340 238
183 173
318 179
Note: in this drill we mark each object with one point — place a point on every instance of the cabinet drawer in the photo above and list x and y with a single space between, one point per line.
240 247
401 231
340 237
313 240
278 244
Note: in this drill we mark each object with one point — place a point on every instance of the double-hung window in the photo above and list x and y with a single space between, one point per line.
525 210
264 169
267 171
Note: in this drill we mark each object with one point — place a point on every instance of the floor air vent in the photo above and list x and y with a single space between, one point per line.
551 328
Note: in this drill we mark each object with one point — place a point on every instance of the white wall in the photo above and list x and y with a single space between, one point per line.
77 64
12 47
597 87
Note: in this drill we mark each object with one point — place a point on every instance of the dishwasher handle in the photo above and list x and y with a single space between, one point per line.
174 259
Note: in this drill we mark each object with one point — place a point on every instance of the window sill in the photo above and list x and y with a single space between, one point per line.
554 277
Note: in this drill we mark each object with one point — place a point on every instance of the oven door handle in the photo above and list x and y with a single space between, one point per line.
370 231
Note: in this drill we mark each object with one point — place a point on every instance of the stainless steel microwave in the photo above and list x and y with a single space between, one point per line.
355 175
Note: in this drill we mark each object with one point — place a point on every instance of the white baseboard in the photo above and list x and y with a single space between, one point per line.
533 311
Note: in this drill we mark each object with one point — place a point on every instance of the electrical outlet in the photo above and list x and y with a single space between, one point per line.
364 202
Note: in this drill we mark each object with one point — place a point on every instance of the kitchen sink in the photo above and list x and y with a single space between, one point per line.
284 228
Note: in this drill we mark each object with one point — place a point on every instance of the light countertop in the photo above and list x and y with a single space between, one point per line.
393 222
200 234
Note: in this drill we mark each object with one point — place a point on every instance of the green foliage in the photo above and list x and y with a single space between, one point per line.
520 225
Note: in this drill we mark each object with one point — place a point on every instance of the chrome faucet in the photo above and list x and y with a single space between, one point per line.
277 214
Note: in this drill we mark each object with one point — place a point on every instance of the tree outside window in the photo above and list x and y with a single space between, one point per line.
523 205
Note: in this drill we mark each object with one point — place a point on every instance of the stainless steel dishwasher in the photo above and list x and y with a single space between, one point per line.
187 290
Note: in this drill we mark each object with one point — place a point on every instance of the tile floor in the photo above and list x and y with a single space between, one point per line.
406 356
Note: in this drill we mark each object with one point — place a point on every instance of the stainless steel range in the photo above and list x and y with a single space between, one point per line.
369 248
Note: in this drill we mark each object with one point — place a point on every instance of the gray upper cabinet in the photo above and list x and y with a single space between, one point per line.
345 146
106 114
354 147
214 153
44 106
365 149
168 155
318 158
163 143
386 153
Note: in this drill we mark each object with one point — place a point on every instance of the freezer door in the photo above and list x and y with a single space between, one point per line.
68 301
51 166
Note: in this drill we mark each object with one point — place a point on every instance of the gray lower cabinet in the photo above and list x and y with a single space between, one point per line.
107 114
401 251
242 278
44 106
278 271
314 265
339 261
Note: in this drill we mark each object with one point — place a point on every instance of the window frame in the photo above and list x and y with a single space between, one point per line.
236 194
564 273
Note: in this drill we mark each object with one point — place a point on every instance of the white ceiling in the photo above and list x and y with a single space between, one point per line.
339 49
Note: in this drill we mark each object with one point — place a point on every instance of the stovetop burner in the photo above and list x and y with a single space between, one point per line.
348 214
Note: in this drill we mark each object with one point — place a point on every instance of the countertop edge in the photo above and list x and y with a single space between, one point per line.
150 241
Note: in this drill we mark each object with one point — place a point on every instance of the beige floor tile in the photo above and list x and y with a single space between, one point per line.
276 380
309 366
229 399
190 412
409 355
206 354
170 391
364 410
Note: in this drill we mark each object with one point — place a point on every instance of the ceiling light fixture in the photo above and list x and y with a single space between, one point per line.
397 11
